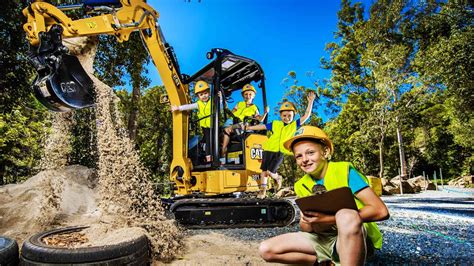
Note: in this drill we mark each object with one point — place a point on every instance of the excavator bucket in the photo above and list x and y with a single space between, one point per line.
61 84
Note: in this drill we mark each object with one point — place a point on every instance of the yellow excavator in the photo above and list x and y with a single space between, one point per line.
206 194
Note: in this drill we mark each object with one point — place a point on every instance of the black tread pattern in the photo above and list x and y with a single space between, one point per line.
34 250
8 251
231 203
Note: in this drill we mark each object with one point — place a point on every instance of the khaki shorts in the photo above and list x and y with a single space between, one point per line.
325 245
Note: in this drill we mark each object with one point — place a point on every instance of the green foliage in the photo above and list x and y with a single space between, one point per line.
446 61
21 131
114 60
16 73
297 94
84 139
387 71
154 131
22 119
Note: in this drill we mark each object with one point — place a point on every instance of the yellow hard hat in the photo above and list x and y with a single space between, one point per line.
200 86
310 132
287 106
248 87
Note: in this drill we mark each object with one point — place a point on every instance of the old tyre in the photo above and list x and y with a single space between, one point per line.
8 251
35 252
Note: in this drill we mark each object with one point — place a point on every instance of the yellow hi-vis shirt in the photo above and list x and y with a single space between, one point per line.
337 176
280 134
204 110
243 110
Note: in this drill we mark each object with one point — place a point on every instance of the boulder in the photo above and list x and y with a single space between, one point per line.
468 179
418 181
462 181
390 190
407 187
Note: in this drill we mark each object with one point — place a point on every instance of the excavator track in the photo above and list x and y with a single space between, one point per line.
233 212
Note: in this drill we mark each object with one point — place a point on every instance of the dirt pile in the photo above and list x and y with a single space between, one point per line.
117 200
49 199
124 183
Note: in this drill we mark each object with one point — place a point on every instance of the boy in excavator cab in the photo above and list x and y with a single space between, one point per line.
203 105
243 112
205 194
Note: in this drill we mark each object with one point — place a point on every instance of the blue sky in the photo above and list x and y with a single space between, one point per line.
281 35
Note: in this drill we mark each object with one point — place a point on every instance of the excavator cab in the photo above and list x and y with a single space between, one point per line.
226 74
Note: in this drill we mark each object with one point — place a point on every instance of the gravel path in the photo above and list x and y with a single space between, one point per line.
433 227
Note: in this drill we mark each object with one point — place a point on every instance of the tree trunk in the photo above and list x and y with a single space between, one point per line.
133 119
403 165
382 137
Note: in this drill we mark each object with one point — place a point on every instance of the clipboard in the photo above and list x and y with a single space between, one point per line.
329 202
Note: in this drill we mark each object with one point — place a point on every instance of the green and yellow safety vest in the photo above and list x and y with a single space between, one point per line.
280 134
337 176
204 113
243 110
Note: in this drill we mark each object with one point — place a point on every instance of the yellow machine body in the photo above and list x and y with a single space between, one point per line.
190 180
218 182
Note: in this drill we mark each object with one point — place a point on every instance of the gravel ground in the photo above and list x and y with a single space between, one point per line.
432 227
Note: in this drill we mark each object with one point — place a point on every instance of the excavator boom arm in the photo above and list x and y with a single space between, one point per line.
133 15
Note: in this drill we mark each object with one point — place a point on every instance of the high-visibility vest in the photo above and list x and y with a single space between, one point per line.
337 176
204 113
280 134
243 110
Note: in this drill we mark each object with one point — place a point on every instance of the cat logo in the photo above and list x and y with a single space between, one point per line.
256 153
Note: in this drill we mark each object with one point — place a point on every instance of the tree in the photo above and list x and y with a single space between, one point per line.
21 116
154 137
444 61
114 60
353 87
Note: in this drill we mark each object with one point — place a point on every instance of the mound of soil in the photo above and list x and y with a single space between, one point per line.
49 199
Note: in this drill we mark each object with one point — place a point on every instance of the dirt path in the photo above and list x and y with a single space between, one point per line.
218 249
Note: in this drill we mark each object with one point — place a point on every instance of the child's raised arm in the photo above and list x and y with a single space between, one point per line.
311 96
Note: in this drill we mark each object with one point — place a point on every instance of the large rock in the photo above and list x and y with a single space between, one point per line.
407 187
419 181
390 190
462 181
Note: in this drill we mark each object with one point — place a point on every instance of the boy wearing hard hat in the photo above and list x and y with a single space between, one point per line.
203 105
346 237
273 150
242 110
